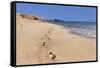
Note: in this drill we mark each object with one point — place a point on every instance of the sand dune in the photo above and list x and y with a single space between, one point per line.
41 42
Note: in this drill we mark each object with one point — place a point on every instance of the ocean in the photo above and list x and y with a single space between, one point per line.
85 29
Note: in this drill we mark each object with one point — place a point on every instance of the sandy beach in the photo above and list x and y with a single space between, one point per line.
39 42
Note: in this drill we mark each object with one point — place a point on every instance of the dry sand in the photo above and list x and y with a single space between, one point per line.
41 42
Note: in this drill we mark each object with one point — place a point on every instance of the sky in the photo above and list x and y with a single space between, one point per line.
66 13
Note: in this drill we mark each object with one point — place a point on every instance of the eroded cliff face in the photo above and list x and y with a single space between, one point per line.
30 17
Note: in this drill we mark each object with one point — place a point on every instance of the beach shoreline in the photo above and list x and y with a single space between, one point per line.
41 42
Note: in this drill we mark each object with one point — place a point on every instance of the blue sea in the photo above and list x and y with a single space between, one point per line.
85 29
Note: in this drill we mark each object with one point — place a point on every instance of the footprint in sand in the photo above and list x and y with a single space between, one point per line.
49 31
47 35
53 56
44 43
47 38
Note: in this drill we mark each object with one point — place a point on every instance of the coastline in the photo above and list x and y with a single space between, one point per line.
37 39
77 29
